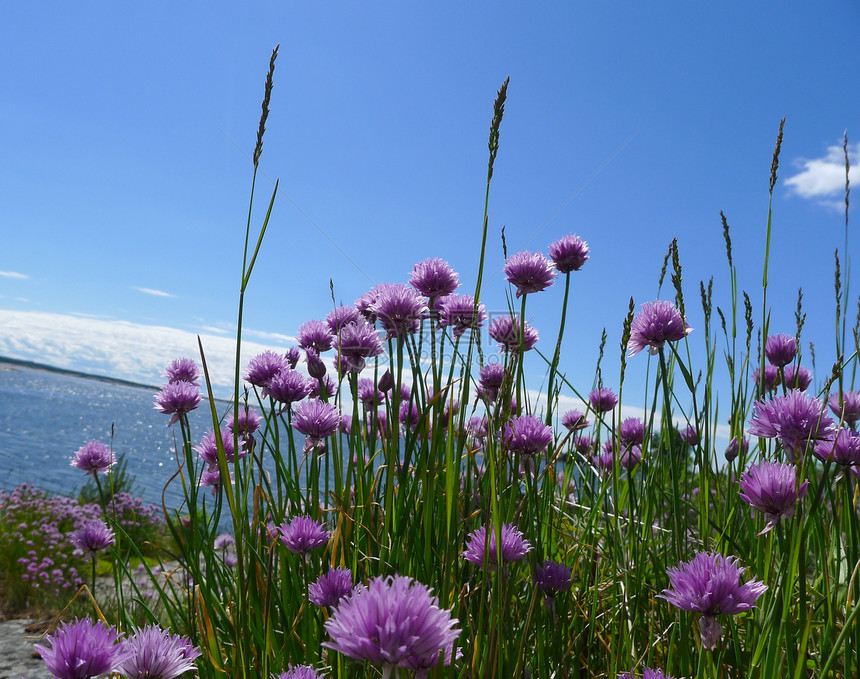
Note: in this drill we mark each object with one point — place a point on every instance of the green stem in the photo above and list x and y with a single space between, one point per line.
557 356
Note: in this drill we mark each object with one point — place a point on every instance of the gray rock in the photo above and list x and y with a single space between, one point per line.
18 658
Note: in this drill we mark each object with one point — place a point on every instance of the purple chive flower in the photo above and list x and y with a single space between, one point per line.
393 622
847 409
343 365
451 407
287 387
340 317
208 448
771 377
780 350
177 399
315 335
602 400
368 394
647 673
331 587
574 420
690 435
631 458
327 384
772 489
399 309
317 420
264 367
710 585
93 536
94 457
292 357
182 370
507 332
82 649
376 424
316 366
658 322
796 419
843 449
409 415
514 546
300 672
529 272
386 382
223 540
478 427
734 448
631 432
211 478
552 577
458 312
364 304
491 377
527 435
155 652
568 253
584 444
797 377
357 342
302 534
605 460
245 424
434 278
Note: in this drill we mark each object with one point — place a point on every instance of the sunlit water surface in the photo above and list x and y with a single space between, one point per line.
46 416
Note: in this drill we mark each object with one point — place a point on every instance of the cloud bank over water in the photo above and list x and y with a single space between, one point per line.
119 349
139 353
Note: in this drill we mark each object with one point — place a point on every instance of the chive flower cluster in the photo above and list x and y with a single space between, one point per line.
181 394
797 419
83 649
393 621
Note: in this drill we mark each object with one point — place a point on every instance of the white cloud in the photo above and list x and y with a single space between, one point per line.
157 293
211 328
120 349
139 353
13 274
81 314
823 179
275 337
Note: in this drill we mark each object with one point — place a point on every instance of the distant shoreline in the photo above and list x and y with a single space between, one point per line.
7 363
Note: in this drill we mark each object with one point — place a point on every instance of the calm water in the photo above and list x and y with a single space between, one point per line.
45 417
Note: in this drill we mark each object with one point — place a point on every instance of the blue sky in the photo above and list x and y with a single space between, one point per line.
127 131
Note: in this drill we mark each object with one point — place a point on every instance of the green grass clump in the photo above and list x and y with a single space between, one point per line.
617 502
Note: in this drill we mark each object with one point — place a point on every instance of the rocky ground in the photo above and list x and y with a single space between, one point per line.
18 658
